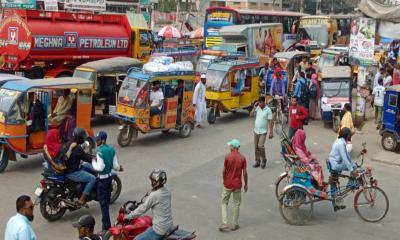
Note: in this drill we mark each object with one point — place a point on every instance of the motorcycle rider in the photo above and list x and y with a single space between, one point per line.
159 201
73 171
85 226
105 161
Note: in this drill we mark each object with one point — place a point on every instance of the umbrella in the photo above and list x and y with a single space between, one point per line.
170 32
198 33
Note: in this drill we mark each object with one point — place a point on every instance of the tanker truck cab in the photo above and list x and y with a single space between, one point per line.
142 43
106 76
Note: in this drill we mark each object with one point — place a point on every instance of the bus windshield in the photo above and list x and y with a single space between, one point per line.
315 33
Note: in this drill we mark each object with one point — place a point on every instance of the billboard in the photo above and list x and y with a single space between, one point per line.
268 40
87 5
26 4
362 41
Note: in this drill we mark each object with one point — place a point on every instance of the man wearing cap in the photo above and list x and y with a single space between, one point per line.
199 101
85 226
106 160
234 168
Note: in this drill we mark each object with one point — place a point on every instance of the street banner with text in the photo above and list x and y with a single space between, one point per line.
88 5
26 4
362 41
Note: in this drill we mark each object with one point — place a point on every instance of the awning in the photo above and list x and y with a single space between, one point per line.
371 8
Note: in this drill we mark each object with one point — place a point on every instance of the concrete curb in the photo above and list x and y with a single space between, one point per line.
387 157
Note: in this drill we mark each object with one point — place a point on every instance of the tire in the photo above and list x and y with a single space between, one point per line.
291 203
364 197
185 130
3 161
211 117
125 136
165 131
336 123
116 189
50 202
282 182
389 141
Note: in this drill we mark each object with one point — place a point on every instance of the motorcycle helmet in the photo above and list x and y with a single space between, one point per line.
79 135
158 178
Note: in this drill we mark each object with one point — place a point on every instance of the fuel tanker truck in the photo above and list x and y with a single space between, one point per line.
39 44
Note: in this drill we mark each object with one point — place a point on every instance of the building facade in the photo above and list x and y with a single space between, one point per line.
249 4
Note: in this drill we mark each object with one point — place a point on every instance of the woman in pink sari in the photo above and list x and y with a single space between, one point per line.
299 146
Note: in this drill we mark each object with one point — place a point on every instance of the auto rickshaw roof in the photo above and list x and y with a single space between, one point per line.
138 73
336 72
291 54
394 88
49 83
4 77
226 66
112 65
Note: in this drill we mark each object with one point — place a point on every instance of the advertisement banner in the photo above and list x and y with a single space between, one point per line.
362 41
267 40
26 4
50 5
88 5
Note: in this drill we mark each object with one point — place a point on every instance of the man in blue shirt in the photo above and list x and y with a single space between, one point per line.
339 160
19 226
301 91
106 160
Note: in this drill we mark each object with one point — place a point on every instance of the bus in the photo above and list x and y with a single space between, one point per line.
217 17
319 32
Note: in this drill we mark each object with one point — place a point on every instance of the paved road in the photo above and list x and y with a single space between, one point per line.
194 174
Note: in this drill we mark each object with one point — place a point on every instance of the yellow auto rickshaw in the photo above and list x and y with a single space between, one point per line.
25 106
231 85
134 104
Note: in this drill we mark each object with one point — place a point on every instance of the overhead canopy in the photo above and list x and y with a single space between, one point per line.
112 65
49 83
376 10
240 31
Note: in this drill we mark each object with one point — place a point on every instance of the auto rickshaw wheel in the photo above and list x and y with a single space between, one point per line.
389 141
125 136
185 130
3 161
211 116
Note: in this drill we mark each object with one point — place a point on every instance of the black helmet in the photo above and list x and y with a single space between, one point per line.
79 135
158 178
345 133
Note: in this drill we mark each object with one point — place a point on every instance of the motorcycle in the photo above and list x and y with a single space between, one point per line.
129 229
57 194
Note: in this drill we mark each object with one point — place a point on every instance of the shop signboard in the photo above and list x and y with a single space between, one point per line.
26 4
362 41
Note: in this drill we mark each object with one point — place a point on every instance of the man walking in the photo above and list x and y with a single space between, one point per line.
234 169
199 101
302 91
105 162
19 226
378 95
297 115
263 115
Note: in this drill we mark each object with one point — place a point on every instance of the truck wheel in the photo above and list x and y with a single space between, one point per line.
211 117
389 141
3 162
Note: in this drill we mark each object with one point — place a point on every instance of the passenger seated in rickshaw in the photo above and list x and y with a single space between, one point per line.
61 109
36 114
156 98
240 78
309 159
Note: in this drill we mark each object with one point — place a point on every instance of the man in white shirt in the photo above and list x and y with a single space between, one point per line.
378 75
156 99
378 94
388 78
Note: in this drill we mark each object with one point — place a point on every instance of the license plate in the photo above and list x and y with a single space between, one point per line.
38 191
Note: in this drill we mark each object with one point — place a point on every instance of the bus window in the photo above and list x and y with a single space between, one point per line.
275 19
265 19
287 23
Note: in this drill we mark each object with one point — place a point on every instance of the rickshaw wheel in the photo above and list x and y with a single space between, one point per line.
389 141
211 116
282 182
125 136
185 130
296 206
3 162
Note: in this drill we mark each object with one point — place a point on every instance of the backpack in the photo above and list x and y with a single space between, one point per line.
305 92
313 91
